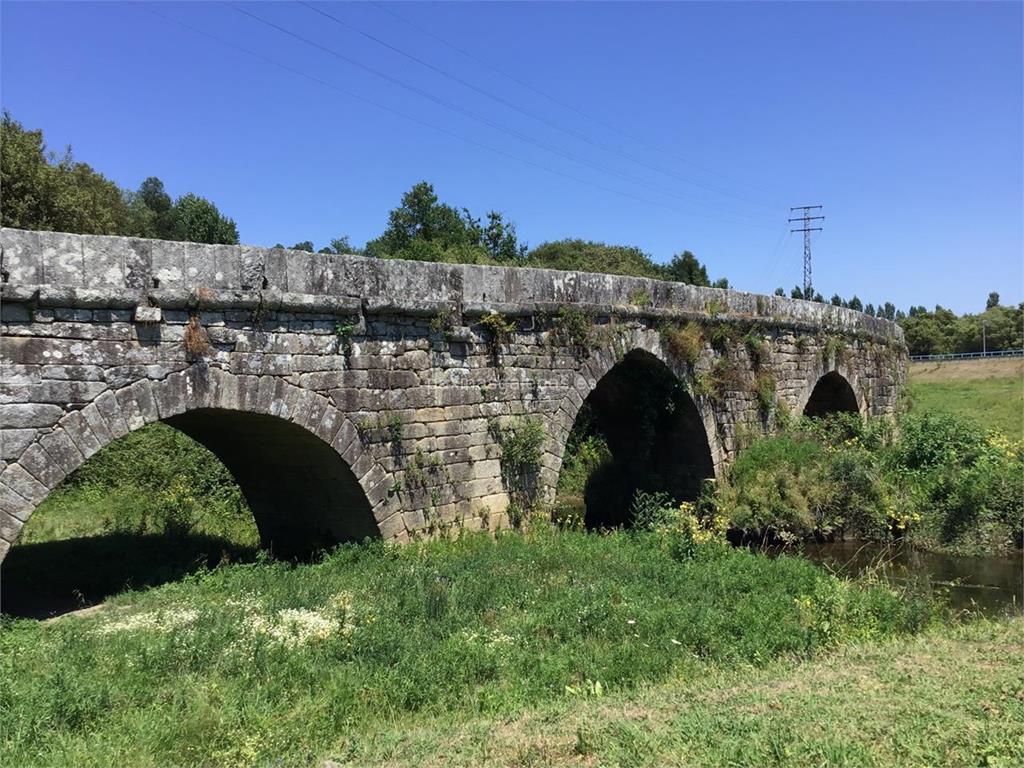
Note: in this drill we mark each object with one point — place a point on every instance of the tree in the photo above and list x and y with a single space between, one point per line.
685 268
722 282
42 191
47 192
797 292
855 303
421 228
425 229
588 256
993 300
780 291
153 210
499 238
869 309
197 220
836 300
305 245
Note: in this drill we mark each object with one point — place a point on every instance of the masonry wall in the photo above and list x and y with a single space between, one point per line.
393 364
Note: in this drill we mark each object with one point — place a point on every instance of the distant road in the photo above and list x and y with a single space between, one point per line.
968 355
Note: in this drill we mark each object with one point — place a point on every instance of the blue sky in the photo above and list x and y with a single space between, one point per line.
668 126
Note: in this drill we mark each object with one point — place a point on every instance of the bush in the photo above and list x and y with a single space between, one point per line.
940 482
522 445
581 460
683 342
965 486
155 480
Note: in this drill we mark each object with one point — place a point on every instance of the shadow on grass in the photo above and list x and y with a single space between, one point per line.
56 577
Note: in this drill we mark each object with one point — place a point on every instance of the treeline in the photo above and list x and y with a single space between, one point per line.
46 191
425 229
941 331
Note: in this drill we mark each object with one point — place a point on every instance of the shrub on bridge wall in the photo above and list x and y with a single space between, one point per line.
683 342
724 377
764 392
573 328
497 330
521 444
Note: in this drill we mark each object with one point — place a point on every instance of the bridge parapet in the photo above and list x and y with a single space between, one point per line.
96 271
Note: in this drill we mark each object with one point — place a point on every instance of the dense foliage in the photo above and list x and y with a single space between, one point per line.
44 191
940 482
268 663
152 481
425 229
942 331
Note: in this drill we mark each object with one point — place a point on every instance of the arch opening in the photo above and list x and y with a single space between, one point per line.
640 430
207 486
831 394
302 494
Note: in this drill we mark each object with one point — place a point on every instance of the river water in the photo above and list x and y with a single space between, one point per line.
992 584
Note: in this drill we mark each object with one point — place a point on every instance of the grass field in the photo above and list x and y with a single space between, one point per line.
950 698
990 392
272 664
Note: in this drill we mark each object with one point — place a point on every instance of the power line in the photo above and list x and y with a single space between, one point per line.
521 110
492 124
392 110
387 8
806 220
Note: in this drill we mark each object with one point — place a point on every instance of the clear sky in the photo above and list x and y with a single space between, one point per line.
666 126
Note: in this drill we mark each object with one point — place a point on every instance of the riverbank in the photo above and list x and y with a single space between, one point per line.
951 697
269 663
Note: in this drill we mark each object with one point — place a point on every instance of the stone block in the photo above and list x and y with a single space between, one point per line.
20 262
23 415
41 466
145 314
14 441
62 258
10 527
62 450
23 483
81 434
110 410
104 261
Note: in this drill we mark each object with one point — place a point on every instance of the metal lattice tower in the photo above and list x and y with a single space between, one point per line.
806 220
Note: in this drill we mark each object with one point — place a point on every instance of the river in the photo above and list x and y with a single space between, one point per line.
990 584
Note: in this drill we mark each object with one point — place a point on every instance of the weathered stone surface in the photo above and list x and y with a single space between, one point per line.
20 415
14 441
384 364
144 314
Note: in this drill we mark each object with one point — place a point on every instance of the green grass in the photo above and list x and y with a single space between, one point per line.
949 698
268 663
994 403
991 393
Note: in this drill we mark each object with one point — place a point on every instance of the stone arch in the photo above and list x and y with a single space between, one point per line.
832 393
683 443
298 459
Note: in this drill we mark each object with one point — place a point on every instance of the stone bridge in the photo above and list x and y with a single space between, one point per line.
354 397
